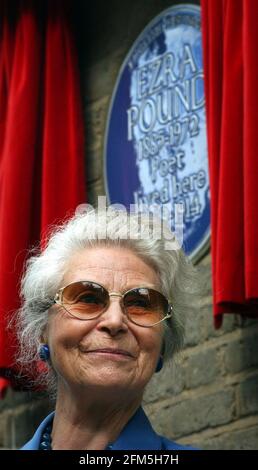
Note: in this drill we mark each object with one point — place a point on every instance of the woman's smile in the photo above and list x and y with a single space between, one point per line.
113 354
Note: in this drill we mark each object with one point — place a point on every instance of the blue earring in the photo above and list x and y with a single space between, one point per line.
160 364
44 352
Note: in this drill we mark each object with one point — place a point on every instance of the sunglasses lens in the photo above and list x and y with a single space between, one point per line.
145 306
84 299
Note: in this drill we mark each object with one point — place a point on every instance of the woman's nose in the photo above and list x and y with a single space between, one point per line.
113 319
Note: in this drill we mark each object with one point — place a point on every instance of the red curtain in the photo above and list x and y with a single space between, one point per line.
42 177
230 38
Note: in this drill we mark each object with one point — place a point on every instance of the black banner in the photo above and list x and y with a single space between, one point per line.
110 459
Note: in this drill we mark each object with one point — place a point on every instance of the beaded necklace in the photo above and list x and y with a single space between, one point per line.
46 439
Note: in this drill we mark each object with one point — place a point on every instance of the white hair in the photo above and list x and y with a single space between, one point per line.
45 270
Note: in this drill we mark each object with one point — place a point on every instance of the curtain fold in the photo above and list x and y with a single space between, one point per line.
42 177
230 34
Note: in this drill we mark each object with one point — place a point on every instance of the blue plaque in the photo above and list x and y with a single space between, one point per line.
155 143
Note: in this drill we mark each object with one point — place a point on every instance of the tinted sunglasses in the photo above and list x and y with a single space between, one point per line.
87 300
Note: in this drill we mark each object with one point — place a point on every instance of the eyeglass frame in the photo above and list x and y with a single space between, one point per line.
58 301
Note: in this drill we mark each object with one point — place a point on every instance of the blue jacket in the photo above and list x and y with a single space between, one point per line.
138 434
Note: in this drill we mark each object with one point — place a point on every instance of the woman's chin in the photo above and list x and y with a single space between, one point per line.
105 387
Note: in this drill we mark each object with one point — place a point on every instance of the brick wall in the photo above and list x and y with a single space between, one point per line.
20 414
210 397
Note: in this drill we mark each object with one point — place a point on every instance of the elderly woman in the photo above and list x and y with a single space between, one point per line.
100 308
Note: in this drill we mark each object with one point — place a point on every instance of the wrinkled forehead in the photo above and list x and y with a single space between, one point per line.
113 267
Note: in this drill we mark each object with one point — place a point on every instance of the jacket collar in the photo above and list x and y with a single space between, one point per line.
137 434
33 444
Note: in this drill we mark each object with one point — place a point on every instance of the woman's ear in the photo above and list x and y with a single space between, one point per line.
44 335
44 351
43 339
